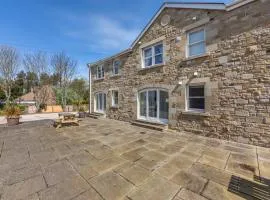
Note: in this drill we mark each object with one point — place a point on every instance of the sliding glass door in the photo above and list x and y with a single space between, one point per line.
100 102
154 105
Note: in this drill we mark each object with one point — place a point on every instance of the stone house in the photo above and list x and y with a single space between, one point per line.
196 67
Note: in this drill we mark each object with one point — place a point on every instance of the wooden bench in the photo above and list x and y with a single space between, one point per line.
66 119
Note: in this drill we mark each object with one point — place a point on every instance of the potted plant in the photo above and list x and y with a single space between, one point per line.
12 113
82 113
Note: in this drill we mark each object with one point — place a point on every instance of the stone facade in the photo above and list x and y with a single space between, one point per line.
235 72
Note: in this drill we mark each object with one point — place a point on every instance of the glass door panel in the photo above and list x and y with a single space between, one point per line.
143 101
164 105
100 102
152 104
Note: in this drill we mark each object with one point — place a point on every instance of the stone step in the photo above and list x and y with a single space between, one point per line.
150 125
95 115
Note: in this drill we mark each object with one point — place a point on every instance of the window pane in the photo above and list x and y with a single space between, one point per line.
197 49
102 69
158 59
116 66
115 97
148 62
196 103
159 49
147 52
143 104
196 36
164 105
152 103
116 69
196 91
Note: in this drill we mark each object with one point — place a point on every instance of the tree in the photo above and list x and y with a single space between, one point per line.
18 88
31 81
80 86
36 63
45 79
65 68
9 62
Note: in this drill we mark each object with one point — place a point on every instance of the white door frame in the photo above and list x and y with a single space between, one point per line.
147 118
103 102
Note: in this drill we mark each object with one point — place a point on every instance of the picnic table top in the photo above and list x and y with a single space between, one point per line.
67 114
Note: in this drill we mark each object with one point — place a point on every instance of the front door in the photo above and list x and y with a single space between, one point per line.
100 102
154 105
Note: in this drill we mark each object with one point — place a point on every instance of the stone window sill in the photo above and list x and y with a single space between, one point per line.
99 79
196 57
195 113
115 75
152 67
115 107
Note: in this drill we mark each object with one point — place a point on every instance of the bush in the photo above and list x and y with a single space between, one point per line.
21 107
12 111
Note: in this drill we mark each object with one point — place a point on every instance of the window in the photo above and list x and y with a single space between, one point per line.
100 72
196 43
153 55
114 98
116 67
196 99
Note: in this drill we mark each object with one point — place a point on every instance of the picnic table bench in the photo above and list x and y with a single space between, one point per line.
66 119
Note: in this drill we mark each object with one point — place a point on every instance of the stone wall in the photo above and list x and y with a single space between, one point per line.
235 72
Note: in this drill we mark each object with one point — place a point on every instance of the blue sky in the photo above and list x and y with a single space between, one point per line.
87 30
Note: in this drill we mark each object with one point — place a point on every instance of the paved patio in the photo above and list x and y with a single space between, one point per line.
111 160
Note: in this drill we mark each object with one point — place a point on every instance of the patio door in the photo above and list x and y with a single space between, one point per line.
154 105
100 102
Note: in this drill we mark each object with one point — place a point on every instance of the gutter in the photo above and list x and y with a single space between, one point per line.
109 58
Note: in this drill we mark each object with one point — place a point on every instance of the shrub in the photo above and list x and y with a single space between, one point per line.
12 111
21 107
81 109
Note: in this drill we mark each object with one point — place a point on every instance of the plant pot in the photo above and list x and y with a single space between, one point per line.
13 121
82 114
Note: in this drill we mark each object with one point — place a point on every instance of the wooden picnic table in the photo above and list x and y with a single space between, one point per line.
66 119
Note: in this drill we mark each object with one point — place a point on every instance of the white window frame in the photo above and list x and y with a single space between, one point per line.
187 98
152 47
113 71
113 98
101 68
202 41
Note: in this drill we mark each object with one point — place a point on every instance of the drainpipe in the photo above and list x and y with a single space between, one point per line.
90 89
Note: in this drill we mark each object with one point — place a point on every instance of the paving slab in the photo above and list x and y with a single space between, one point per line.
90 194
211 173
58 172
155 188
23 174
111 186
107 164
23 189
177 163
185 194
68 189
214 162
189 181
243 165
135 174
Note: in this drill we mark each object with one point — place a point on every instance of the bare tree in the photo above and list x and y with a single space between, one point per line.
65 67
36 63
9 62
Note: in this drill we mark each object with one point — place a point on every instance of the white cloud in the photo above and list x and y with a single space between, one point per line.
101 33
